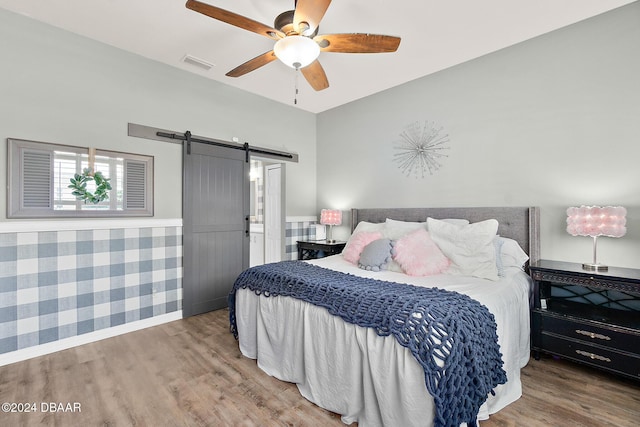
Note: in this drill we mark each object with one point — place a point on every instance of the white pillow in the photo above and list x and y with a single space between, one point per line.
511 254
395 229
369 226
455 221
469 247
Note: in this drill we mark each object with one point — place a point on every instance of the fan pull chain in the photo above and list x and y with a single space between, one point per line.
295 97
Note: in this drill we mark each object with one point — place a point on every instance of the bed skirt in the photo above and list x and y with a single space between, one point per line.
342 367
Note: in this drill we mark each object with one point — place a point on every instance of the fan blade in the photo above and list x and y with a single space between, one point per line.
234 19
252 64
315 75
311 12
357 43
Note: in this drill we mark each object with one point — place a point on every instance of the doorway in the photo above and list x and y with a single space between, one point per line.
268 221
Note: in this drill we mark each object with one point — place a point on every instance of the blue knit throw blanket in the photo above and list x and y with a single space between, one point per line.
436 325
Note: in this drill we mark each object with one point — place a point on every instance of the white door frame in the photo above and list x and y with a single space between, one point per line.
274 212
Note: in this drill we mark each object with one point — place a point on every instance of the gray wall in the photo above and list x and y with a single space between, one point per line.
58 87
552 122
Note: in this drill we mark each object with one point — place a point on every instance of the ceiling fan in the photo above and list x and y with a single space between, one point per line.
298 44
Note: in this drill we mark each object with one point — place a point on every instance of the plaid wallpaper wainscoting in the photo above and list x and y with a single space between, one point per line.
65 283
298 228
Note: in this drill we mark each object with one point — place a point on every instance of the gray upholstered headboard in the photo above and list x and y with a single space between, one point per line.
519 223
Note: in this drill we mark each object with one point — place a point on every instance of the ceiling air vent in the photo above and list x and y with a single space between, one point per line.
201 63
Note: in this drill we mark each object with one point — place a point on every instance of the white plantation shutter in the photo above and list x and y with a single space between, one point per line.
37 180
135 174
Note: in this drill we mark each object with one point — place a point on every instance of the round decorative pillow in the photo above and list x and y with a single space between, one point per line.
376 255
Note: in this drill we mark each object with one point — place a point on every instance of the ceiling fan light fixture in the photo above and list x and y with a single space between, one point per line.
296 51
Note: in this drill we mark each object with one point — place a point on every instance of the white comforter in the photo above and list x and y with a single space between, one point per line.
366 378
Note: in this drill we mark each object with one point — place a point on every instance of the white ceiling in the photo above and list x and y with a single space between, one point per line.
435 35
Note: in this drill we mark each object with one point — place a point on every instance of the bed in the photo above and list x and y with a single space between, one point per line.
368 377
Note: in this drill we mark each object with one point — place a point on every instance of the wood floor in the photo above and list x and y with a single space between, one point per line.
191 373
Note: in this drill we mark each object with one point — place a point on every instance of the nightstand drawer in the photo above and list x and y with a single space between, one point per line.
585 279
623 363
589 332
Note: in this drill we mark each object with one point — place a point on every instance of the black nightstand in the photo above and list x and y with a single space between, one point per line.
587 316
313 249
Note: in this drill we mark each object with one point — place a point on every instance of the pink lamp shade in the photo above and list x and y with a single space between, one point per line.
330 217
596 221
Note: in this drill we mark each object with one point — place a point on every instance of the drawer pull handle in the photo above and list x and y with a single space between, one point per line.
593 335
593 356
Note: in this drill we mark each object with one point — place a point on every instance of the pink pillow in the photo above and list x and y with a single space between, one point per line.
418 255
356 245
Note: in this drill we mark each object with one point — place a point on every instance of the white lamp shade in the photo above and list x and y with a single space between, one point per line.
296 51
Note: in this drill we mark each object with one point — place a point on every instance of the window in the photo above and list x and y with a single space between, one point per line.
40 173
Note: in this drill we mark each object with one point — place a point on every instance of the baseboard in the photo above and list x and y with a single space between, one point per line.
52 347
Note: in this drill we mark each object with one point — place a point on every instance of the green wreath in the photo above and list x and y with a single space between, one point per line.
79 186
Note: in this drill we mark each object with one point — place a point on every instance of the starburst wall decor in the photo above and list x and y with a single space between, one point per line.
420 148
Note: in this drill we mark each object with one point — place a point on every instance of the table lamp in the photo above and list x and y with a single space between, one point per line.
596 221
330 217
